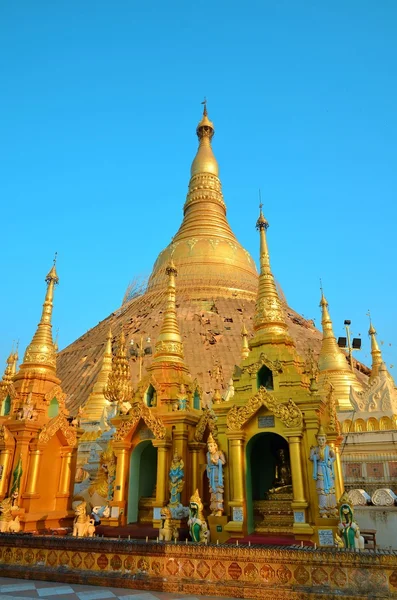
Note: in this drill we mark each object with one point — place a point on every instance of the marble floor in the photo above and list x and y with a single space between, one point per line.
22 589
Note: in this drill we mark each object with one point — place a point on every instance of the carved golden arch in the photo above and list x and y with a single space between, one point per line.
139 411
58 424
58 393
208 418
289 414
275 366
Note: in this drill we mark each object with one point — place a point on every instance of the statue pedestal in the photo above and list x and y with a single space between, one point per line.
217 529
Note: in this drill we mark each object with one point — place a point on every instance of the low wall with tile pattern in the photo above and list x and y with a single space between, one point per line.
268 573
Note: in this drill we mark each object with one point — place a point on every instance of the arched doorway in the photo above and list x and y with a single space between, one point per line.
142 478
262 456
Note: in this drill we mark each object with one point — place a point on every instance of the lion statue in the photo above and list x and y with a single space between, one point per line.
7 523
168 530
83 524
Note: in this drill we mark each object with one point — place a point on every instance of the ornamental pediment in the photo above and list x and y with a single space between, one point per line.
139 411
289 413
379 396
274 365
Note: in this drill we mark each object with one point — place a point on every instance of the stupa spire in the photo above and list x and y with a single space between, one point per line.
269 318
9 371
15 358
205 250
169 347
332 364
40 354
96 400
377 359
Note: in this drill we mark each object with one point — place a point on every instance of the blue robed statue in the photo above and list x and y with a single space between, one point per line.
215 461
323 458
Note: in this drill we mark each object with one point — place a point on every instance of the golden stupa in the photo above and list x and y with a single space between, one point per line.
217 288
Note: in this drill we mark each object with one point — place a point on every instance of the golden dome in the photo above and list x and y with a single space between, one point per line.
205 251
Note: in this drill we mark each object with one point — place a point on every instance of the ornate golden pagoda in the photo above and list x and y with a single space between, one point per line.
332 363
6 386
36 438
205 251
162 419
217 291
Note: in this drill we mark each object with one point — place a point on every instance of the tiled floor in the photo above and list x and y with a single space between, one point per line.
22 589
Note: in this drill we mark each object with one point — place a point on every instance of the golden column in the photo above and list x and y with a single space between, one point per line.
195 449
5 460
163 447
121 452
65 474
294 442
33 474
339 483
236 469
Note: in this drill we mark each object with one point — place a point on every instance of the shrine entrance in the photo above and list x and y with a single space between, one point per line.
268 484
142 483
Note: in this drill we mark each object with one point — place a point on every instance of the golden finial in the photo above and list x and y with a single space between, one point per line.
169 342
41 352
205 107
269 318
205 161
331 357
377 359
332 362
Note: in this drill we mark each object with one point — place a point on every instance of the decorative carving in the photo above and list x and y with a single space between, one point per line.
384 497
7 390
289 414
379 396
58 393
3 433
274 365
53 426
359 497
139 410
333 424
208 418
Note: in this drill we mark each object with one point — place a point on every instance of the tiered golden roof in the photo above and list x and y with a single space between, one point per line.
377 359
205 251
169 346
332 363
96 400
269 321
40 354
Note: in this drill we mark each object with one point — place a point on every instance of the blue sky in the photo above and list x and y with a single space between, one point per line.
99 103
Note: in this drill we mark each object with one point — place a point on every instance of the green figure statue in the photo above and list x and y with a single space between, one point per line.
198 528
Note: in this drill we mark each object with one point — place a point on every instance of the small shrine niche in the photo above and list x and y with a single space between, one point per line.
150 396
264 378
53 409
